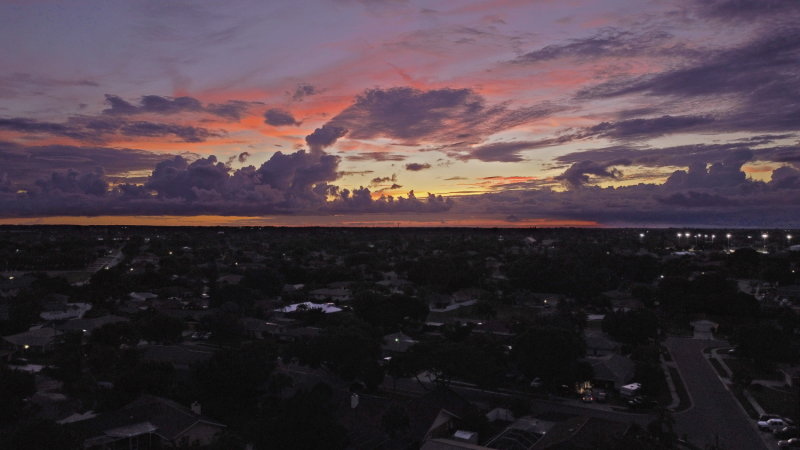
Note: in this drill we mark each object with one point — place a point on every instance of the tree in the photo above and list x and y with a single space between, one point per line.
229 383
40 434
158 327
15 387
549 353
631 327
395 420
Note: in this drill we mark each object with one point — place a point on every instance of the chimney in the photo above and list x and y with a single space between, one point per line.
196 408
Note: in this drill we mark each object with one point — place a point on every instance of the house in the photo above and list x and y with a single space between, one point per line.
231 279
334 294
599 344
87 326
611 371
39 340
148 423
704 329
142 296
257 328
327 308
397 343
179 356
580 433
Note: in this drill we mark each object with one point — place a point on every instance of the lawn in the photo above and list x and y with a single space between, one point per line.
758 373
774 401
743 401
718 367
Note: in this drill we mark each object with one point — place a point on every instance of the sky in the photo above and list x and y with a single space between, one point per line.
496 113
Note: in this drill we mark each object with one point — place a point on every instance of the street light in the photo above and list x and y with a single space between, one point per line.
764 237
729 241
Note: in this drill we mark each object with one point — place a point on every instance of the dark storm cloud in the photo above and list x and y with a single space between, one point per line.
411 115
72 182
97 129
360 200
376 156
151 129
324 137
694 199
157 104
30 126
760 79
744 10
30 163
577 175
416 167
279 117
649 127
607 42
685 155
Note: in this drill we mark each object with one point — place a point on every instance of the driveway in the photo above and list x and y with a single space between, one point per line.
715 413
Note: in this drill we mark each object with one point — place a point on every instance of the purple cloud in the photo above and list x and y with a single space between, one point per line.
279 117
157 104
411 115
416 167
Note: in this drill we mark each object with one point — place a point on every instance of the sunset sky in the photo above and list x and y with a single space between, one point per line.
394 112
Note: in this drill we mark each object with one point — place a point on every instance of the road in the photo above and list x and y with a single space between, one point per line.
410 386
715 413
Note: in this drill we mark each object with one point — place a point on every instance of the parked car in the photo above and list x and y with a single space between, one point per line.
789 443
536 383
601 396
787 433
587 397
766 417
773 425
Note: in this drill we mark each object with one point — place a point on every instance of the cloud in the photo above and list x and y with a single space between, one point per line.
324 137
380 180
376 156
606 42
649 127
360 200
157 104
733 153
744 10
694 199
502 151
98 129
71 182
577 175
279 117
151 129
759 78
410 116
31 163
416 167
304 90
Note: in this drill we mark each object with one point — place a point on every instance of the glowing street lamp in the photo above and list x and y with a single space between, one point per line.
764 237
729 241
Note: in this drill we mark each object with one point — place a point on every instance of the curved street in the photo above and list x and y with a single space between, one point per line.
715 415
